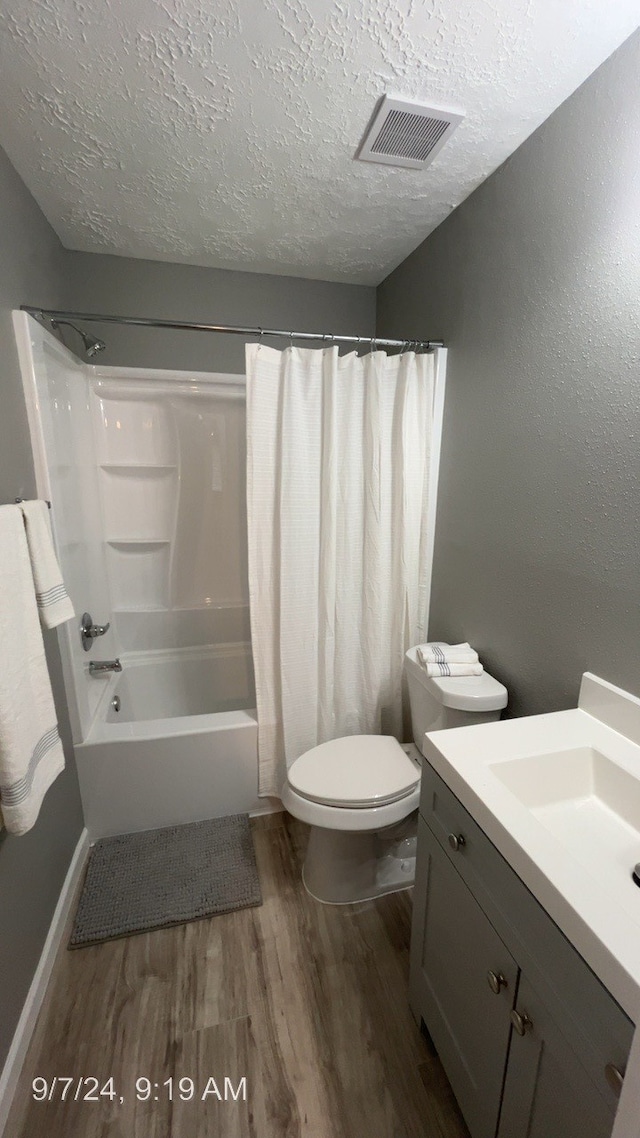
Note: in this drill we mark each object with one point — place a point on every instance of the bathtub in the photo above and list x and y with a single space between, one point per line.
182 747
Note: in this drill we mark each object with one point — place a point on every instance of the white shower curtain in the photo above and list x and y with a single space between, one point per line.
338 454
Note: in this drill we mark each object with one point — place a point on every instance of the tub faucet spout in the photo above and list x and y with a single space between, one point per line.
97 667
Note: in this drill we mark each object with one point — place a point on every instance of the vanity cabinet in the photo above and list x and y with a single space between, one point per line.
547 1090
468 1023
533 1045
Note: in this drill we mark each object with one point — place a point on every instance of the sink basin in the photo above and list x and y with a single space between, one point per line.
567 779
587 801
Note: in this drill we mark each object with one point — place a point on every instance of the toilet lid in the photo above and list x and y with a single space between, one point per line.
359 770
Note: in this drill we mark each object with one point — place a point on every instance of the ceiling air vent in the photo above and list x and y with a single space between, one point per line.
407 134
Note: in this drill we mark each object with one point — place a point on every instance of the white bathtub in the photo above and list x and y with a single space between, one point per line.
182 747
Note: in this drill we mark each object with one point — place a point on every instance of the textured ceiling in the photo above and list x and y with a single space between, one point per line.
222 132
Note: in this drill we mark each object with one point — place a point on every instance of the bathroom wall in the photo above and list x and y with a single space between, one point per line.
534 284
124 286
33 867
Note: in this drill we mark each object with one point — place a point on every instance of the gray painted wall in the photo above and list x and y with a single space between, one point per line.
124 286
33 867
534 284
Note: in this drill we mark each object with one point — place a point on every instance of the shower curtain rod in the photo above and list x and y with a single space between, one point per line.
234 330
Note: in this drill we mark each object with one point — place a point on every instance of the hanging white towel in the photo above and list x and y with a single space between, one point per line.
31 753
446 669
439 653
54 605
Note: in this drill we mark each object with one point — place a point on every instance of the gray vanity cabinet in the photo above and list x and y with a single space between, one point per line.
468 1022
547 1090
532 1043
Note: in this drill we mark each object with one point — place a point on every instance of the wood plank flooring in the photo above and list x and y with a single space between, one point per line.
307 1001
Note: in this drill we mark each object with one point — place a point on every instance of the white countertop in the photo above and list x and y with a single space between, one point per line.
601 919
598 913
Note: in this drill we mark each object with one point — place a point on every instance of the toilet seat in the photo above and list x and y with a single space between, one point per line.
355 772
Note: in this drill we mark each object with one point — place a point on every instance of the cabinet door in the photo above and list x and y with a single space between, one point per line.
547 1090
454 948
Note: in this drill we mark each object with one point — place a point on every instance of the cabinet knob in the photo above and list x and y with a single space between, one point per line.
496 981
520 1021
456 841
614 1077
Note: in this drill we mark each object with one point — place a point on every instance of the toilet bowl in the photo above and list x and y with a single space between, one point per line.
354 792
360 793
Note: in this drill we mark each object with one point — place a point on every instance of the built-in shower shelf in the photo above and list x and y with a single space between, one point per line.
138 541
123 466
139 569
136 609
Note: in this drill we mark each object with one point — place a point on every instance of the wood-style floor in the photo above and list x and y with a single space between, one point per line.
308 1001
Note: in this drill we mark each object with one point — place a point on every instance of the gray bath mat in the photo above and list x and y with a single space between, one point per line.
137 882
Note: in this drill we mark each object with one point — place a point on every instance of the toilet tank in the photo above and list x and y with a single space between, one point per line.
450 701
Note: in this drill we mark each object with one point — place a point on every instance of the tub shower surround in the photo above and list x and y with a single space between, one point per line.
146 474
171 461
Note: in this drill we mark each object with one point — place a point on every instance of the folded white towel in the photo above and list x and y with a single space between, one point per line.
54 605
31 753
437 653
446 669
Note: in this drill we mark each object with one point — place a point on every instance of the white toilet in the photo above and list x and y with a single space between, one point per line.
360 793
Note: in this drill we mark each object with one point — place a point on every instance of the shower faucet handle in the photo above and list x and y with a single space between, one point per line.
89 630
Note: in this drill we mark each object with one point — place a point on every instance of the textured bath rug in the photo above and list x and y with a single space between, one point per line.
137 882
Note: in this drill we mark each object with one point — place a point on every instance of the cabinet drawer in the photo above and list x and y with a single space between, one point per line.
476 858
594 1024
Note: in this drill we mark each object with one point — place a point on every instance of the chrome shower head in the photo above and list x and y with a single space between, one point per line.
92 345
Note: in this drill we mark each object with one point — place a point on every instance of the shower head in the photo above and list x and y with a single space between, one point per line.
92 345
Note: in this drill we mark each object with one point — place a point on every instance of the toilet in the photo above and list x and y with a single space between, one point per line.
360 793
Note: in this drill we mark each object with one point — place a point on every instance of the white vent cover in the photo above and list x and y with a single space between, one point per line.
407 134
